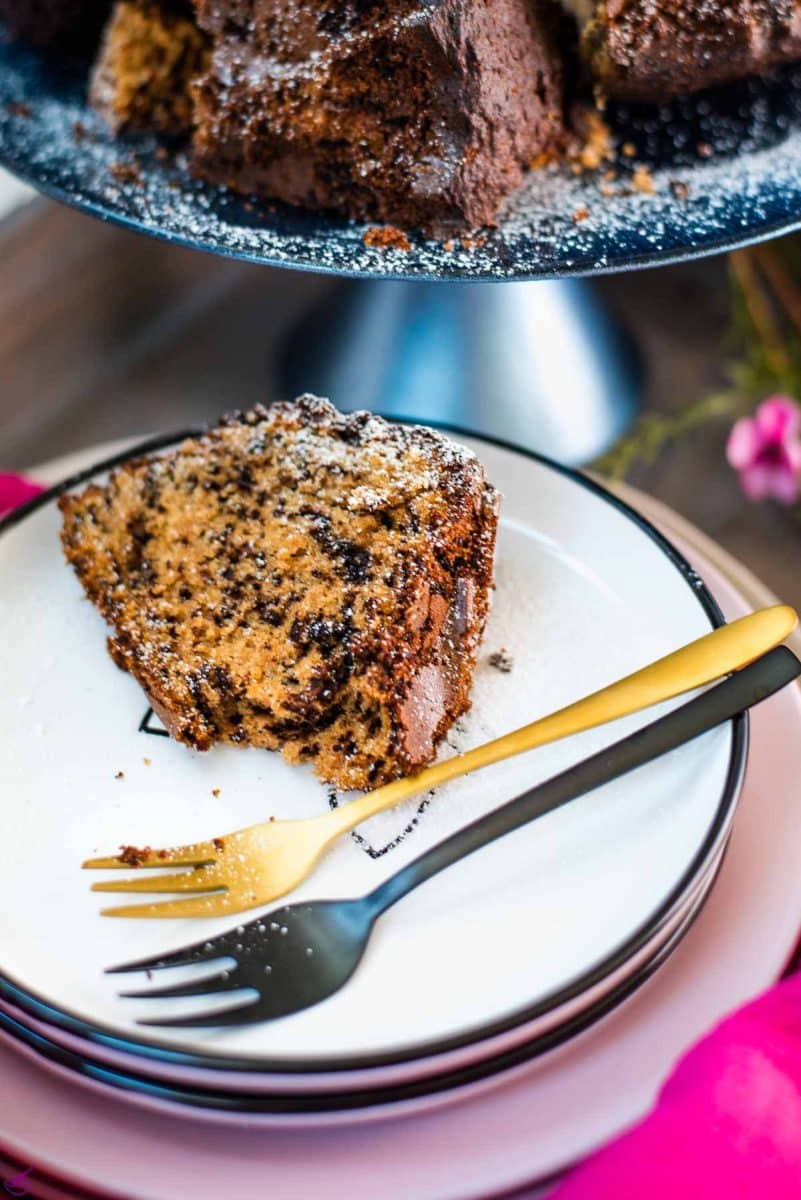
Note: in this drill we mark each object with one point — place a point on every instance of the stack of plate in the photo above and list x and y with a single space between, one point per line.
487 968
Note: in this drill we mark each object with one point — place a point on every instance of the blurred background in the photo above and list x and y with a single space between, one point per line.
107 335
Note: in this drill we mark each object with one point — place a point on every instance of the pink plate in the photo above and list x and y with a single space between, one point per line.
538 1119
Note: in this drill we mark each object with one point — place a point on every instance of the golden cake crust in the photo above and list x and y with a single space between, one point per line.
147 61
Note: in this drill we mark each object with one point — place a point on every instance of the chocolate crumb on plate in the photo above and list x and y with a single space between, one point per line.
502 660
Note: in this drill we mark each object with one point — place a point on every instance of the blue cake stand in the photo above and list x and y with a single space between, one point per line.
540 364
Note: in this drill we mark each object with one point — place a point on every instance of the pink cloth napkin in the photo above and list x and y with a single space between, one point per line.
727 1124
15 490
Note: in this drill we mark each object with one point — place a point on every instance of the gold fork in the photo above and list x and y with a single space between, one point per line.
256 865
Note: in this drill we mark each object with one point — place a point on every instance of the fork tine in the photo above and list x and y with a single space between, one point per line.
202 879
183 957
197 854
244 1014
205 904
223 981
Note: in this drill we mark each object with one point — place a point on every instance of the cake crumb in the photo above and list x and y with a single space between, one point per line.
120 775
146 761
473 241
18 108
219 844
595 146
546 158
125 172
680 189
386 237
704 150
133 856
502 660
628 149
215 792
642 180
581 214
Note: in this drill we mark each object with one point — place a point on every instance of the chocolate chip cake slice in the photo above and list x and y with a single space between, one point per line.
299 580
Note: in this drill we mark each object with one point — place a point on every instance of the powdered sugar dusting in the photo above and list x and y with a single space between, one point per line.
725 168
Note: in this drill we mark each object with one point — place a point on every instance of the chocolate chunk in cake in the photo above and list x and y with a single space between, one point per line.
149 56
66 24
652 51
420 114
298 580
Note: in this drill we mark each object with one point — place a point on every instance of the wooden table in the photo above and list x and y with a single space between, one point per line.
105 334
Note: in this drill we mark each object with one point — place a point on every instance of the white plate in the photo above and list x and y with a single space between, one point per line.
541 1119
252 1099
585 594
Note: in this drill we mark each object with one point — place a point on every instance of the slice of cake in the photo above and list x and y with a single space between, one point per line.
649 51
298 580
149 55
422 113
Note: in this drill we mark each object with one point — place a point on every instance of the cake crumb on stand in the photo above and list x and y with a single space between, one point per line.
386 237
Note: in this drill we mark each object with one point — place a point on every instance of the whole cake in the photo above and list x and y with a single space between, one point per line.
420 113
298 580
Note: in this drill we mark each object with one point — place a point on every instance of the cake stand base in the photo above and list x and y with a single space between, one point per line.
540 365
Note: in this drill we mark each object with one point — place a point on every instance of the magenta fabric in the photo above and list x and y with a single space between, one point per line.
727 1124
15 490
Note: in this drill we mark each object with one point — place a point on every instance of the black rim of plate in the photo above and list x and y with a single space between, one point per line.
39 1007
353 1100
743 188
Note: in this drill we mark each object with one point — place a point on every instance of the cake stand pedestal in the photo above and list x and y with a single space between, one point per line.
418 331
540 365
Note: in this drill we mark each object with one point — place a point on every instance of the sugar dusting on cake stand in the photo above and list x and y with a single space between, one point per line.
542 366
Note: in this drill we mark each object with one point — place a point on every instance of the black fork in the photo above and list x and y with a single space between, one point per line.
300 954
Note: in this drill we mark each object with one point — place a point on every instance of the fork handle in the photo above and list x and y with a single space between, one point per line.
754 683
708 658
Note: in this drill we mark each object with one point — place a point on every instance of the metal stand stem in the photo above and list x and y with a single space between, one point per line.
541 365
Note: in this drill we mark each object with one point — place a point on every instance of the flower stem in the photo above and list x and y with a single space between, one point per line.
760 310
785 289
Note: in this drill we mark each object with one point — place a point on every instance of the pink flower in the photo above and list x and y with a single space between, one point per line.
15 490
766 450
